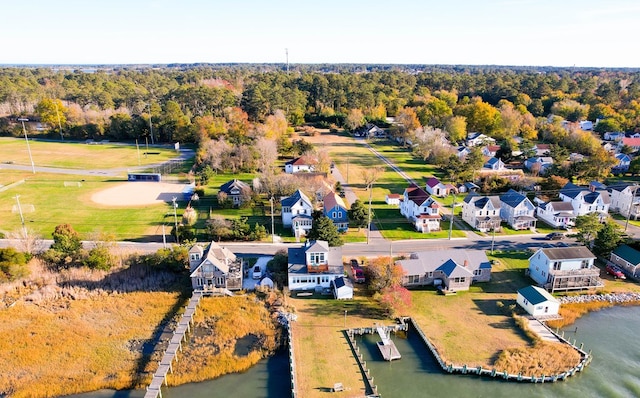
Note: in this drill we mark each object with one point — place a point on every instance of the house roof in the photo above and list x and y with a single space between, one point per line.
235 183
293 199
558 206
453 270
428 261
481 201
470 185
572 190
623 157
493 148
298 259
597 185
628 254
332 200
630 141
543 146
302 161
512 198
536 295
393 196
416 194
567 253
593 196
341 281
219 256
318 246
492 161
432 182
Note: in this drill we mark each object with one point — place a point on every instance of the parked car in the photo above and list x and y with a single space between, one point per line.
257 272
354 263
615 272
555 236
358 275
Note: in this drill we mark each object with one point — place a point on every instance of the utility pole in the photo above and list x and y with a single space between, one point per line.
175 217
164 238
348 169
453 208
150 126
24 228
370 188
138 150
273 236
493 239
345 319
24 130
633 195
59 123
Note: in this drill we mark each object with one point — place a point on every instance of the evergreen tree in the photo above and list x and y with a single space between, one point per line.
588 226
324 229
358 214
607 239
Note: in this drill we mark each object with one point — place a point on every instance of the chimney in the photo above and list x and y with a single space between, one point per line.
466 263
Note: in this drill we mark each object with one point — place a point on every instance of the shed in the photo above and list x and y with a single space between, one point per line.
537 301
342 288
266 282
393 199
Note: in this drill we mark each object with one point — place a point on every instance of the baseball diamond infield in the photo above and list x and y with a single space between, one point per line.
139 193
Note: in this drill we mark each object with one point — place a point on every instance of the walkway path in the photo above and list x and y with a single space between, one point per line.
542 331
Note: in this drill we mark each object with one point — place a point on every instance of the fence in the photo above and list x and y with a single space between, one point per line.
292 362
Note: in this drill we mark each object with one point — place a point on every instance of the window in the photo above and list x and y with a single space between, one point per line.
557 265
317 258
334 215
477 272
585 264
413 279
429 274
286 210
459 280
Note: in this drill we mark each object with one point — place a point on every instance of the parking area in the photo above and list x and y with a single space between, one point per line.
249 282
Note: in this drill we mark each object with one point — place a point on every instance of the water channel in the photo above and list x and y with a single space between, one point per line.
611 334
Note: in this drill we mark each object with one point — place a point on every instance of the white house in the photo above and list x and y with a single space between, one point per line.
586 125
542 149
342 288
455 269
314 265
517 210
236 191
585 201
436 188
624 161
476 139
301 164
214 268
625 199
468 187
296 213
614 135
490 150
393 199
421 209
539 164
462 152
481 212
557 214
494 164
537 301
564 268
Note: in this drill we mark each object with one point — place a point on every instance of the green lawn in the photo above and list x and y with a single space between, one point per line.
75 155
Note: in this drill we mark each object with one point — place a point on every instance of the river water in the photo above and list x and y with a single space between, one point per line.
611 334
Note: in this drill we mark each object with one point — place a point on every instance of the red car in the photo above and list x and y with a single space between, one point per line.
615 272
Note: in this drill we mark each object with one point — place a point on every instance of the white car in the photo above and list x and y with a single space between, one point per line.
257 272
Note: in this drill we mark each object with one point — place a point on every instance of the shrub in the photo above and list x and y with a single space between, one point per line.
190 216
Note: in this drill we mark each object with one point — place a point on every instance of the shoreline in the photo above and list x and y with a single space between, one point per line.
574 307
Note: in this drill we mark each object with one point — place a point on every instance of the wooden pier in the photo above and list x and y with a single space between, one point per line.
387 347
179 335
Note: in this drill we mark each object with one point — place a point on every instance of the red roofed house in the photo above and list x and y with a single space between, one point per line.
632 142
393 199
490 150
421 209
542 149
301 164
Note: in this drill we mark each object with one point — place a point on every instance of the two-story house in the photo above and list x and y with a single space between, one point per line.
236 191
557 214
420 209
477 139
214 268
333 207
542 149
564 269
517 210
314 265
301 164
494 164
296 213
624 161
490 150
585 201
455 269
539 164
630 142
625 199
481 212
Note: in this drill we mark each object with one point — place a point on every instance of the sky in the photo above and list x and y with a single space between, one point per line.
586 33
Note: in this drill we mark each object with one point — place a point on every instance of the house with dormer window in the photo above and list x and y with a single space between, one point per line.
420 209
333 207
236 191
481 212
557 214
517 210
314 265
296 213
585 201
214 268
564 269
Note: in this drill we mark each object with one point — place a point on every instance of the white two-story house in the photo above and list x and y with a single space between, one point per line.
564 269
585 201
481 212
296 213
557 214
314 265
625 199
517 210
421 209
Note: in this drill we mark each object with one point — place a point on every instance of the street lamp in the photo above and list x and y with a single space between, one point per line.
273 237
24 130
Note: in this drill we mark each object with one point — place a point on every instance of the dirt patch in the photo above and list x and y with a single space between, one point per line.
138 193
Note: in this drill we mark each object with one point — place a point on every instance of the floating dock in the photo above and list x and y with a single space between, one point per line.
387 347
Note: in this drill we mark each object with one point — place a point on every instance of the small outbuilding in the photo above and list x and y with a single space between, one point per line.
537 301
342 288
266 282
393 199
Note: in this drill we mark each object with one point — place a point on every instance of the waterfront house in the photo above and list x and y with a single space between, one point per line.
537 302
585 201
517 210
393 199
214 268
481 212
314 265
300 165
628 259
564 269
557 214
333 207
625 199
236 191
420 209
455 269
296 213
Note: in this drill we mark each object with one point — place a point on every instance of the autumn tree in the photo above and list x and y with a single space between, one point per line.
355 119
394 300
52 113
481 117
382 273
571 110
456 127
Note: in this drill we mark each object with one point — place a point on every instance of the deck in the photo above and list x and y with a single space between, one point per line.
387 347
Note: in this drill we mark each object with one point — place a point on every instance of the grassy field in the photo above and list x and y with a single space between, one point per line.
47 202
73 155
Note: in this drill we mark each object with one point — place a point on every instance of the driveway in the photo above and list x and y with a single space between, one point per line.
248 283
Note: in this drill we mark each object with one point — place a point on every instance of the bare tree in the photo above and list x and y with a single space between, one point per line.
370 175
28 241
267 151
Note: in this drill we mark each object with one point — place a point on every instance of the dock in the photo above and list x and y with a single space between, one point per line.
387 347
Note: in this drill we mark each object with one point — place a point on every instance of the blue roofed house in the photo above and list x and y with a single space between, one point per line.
517 210
585 200
296 213
235 191
539 164
455 269
495 164
481 212
334 208
624 161
564 269
314 266
628 259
